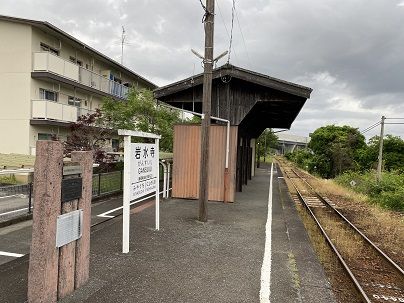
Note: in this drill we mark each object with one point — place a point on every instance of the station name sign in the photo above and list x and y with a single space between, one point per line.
144 165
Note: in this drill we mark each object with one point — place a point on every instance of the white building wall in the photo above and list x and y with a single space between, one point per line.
20 43
15 76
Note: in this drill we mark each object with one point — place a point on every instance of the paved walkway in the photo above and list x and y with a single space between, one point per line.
189 261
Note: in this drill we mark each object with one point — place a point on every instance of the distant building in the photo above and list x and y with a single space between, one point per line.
288 143
49 78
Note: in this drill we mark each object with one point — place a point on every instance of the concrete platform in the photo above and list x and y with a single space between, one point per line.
189 261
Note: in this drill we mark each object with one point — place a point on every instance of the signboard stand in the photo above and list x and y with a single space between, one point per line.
141 176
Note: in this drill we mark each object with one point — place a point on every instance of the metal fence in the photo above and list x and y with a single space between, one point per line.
13 190
107 183
20 196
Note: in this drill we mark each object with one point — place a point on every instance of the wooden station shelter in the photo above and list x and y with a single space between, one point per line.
251 102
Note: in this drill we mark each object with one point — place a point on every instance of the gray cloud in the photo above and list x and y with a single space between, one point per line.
349 52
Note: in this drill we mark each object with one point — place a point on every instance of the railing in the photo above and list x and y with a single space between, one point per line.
17 200
45 61
50 110
107 183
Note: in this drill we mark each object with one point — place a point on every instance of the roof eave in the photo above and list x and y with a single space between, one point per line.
237 72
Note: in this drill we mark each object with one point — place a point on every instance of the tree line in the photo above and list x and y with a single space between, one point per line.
334 150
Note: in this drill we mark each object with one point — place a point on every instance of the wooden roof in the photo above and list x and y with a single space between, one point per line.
249 99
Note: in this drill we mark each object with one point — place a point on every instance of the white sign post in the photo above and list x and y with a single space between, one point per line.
141 176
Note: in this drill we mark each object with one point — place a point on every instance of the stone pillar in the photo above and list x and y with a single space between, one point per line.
83 244
55 272
43 263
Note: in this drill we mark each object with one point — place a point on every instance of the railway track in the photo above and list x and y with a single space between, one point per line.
375 275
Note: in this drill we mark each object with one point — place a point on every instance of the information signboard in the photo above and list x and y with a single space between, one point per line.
144 165
141 176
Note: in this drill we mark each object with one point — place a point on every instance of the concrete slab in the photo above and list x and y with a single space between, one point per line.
189 261
297 274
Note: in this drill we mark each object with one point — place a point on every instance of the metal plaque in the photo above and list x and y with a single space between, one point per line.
69 227
72 169
71 189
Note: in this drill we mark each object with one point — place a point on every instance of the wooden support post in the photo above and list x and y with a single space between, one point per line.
206 109
380 162
44 255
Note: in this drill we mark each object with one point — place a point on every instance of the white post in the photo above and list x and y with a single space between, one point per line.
126 194
227 144
168 179
254 156
158 187
164 178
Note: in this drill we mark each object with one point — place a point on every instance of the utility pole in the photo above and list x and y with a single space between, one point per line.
265 149
206 110
122 43
379 165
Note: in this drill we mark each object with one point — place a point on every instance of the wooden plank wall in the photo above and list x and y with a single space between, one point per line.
187 142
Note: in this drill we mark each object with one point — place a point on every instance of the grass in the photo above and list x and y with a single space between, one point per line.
16 161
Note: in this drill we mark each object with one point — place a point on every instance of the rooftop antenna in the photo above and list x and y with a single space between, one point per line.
122 43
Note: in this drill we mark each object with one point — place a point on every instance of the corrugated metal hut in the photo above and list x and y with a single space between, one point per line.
251 102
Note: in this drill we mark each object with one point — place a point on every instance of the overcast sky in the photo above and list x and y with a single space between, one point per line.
351 52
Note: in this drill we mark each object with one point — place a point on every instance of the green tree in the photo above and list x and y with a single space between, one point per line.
336 149
265 142
141 112
393 153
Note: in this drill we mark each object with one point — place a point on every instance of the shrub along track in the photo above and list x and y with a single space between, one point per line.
376 277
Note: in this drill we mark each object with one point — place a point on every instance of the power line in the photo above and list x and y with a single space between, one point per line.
242 36
231 30
370 127
227 31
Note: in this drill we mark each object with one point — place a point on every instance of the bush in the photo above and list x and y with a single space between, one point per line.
389 193
8 180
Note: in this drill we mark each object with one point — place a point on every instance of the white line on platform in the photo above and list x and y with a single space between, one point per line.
9 254
265 290
106 214
13 211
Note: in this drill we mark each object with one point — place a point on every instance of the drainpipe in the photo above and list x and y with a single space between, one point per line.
168 178
162 162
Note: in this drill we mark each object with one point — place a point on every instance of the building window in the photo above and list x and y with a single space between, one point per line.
47 48
45 94
115 144
74 60
43 136
74 101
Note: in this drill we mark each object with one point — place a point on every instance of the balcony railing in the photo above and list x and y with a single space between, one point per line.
50 110
45 61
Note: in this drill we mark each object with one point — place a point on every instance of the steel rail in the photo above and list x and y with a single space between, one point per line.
340 258
383 254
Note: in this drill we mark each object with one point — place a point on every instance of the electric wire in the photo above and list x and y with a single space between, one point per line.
242 36
231 30
370 127
227 31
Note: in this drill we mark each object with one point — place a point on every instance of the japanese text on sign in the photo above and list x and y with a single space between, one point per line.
143 169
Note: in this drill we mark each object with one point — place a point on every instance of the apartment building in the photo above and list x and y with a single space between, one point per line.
47 79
